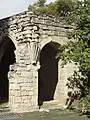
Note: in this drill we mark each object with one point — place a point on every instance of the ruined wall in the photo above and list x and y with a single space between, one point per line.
30 33
55 30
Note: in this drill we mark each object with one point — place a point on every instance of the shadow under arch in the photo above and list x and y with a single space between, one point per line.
48 72
7 57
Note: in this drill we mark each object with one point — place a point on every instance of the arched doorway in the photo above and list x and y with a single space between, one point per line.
48 72
7 57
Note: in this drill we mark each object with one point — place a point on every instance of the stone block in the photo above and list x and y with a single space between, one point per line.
24 93
35 28
16 86
18 99
17 93
31 93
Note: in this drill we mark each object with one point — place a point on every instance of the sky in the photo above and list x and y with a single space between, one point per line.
11 7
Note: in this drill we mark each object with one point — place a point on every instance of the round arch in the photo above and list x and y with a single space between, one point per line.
48 40
48 72
8 33
11 36
7 58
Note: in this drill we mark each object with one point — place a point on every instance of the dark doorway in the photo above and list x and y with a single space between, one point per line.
48 74
7 57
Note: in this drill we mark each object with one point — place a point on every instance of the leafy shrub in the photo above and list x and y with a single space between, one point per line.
59 7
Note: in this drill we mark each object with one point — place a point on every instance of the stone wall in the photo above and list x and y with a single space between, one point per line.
30 33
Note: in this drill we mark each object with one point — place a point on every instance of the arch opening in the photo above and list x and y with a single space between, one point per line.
48 72
7 57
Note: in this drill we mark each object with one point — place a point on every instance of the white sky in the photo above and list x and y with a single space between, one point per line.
11 7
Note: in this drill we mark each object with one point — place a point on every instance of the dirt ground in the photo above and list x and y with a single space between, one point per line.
44 115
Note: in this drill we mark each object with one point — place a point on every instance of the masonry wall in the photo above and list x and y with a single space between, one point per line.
55 30
30 33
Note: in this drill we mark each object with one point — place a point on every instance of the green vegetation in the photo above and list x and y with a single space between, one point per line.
79 52
36 5
60 7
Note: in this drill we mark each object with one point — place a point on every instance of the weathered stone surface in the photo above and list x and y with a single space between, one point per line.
30 33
